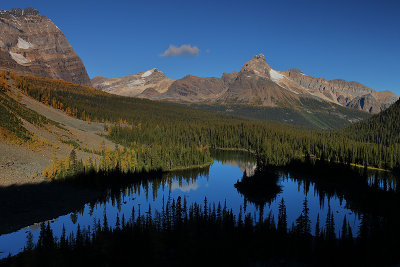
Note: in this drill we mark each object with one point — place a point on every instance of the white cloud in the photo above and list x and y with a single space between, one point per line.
183 50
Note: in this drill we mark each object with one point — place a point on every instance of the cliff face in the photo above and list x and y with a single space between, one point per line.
33 44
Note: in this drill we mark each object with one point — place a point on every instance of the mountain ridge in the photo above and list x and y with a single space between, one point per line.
257 83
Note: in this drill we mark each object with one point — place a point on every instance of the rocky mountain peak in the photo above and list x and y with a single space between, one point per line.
152 73
19 12
297 71
258 66
259 56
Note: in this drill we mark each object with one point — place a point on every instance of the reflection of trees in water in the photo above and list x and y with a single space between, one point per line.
383 180
152 184
260 188
162 237
375 199
361 196
377 235
348 184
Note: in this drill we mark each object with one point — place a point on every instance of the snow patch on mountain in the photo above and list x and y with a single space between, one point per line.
20 59
147 73
137 82
22 44
275 76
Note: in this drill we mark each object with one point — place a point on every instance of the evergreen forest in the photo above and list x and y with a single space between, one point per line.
158 135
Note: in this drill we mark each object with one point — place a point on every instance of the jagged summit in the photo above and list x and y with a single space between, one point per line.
259 56
19 12
295 71
257 65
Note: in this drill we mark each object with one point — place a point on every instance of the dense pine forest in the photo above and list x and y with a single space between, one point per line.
313 113
157 135
383 128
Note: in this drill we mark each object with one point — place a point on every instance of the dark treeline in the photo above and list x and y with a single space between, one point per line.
196 234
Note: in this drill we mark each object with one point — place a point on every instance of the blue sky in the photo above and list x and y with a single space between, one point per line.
351 40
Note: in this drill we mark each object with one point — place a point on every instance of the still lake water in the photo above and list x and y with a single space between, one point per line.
216 183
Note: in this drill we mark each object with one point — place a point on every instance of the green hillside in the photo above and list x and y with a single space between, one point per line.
311 113
383 128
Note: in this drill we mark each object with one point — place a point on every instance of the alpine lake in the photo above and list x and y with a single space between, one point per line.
216 185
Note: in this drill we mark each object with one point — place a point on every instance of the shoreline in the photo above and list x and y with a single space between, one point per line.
28 203
312 156
25 205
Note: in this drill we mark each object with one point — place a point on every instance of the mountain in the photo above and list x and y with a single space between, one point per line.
149 83
256 84
33 44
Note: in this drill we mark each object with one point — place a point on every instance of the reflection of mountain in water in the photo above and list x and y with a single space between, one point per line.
245 166
244 160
